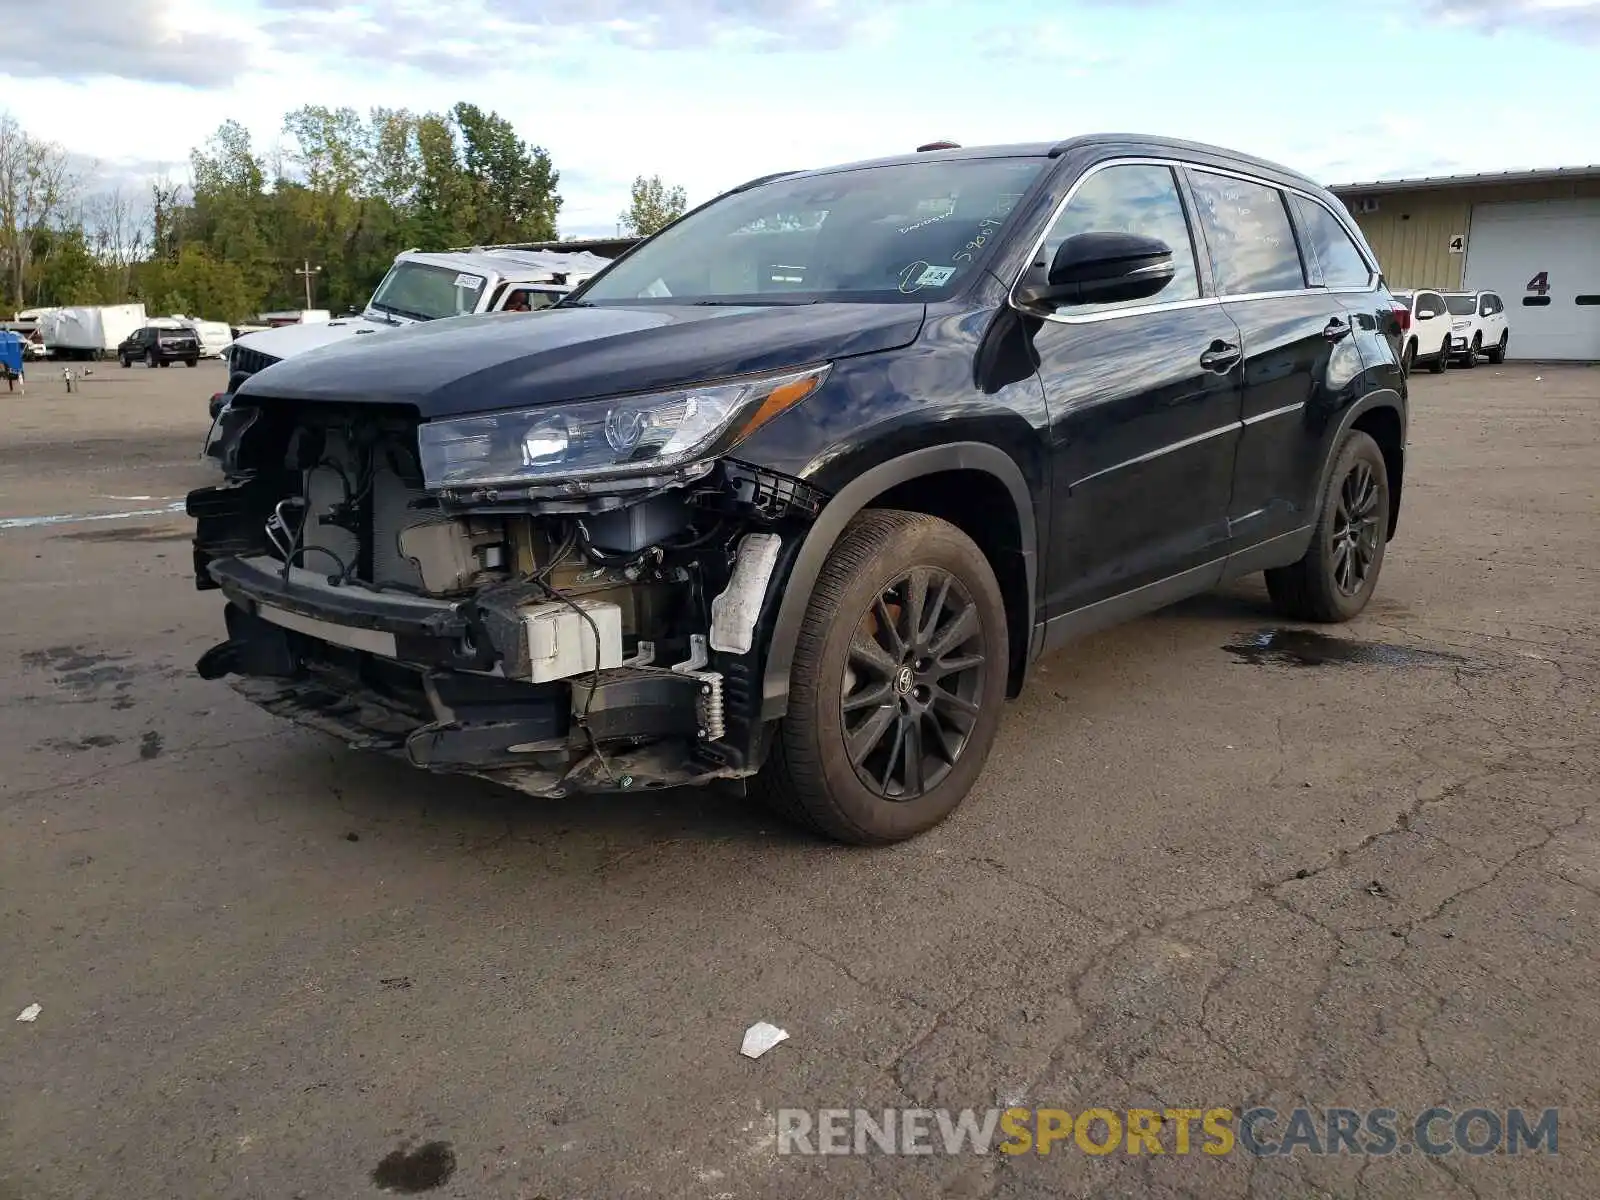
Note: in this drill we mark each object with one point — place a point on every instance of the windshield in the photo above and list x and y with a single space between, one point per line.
427 293
1461 306
909 231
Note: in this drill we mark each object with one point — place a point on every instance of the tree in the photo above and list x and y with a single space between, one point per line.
116 231
513 185
654 206
35 188
337 188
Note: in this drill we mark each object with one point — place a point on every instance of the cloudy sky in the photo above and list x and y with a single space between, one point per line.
708 93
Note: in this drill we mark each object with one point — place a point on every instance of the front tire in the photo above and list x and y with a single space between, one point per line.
1473 350
188 362
126 362
1443 361
150 358
898 677
1336 578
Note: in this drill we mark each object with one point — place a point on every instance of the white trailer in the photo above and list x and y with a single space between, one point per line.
215 336
91 332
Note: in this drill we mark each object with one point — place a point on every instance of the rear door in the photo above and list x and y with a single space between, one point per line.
1301 356
1144 404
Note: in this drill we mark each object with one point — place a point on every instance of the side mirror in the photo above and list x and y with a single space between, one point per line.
1103 268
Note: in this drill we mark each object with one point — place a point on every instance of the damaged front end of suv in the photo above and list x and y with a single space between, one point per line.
558 598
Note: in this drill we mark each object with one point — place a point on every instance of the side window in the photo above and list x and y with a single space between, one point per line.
1341 262
1138 198
1252 242
1428 306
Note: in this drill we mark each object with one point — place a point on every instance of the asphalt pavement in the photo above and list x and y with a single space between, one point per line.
1214 862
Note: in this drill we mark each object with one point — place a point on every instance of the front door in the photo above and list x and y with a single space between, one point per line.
1144 406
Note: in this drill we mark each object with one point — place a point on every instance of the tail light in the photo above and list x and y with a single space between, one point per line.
1402 316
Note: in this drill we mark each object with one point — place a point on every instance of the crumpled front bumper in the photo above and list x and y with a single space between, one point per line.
424 679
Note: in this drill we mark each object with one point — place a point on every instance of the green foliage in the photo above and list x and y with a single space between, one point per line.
349 193
654 206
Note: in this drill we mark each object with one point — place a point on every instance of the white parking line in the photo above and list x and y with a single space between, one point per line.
74 518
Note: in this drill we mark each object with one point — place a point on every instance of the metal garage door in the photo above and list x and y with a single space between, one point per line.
1543 257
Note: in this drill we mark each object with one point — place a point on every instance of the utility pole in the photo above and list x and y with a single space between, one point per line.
308 271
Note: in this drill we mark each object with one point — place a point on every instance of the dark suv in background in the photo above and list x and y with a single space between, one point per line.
160 346
799 488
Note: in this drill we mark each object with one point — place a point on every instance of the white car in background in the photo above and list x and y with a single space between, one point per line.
1478 325
1427 331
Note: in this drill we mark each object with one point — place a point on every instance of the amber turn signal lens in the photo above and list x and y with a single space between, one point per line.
783 397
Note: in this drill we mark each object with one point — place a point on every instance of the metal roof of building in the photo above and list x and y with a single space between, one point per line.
1489 179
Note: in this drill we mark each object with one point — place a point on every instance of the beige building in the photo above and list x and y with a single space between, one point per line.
1531 236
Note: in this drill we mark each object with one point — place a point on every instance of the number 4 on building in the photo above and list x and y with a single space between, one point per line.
1458 244
1540 283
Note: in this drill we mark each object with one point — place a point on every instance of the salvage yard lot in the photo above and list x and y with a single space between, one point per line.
1208 865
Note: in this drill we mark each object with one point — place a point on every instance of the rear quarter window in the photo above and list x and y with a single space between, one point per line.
1336 252
1253 246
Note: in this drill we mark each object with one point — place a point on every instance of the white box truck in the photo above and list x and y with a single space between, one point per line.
91 332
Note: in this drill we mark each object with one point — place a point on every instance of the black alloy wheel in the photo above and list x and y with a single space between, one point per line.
1354 536
897 682
1335 578
913 687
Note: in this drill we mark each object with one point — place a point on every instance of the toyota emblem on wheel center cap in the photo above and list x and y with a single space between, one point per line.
902 681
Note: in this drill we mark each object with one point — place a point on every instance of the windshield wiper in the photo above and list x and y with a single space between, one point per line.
415 316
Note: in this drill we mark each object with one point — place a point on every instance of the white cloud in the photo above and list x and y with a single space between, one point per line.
1577 19
153 41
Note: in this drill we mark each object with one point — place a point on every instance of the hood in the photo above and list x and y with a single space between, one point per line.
289 340
515 360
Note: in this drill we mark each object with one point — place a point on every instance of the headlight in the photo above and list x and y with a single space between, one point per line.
654 433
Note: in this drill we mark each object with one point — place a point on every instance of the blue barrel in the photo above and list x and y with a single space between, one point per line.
10 352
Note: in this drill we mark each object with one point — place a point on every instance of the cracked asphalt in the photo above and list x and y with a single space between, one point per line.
1193 875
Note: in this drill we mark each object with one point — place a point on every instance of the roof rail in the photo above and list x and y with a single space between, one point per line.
942 145
743 187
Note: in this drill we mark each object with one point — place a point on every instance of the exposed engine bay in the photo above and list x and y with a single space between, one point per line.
553 639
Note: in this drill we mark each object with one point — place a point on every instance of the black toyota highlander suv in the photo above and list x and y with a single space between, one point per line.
796 490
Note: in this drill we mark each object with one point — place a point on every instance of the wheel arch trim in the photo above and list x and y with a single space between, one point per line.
857 495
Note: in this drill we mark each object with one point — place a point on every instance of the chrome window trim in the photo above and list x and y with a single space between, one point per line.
1175 164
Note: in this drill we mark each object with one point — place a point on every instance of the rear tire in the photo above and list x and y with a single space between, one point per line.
1336 578
1498 354
150 358
126 362
1439 364
892 711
